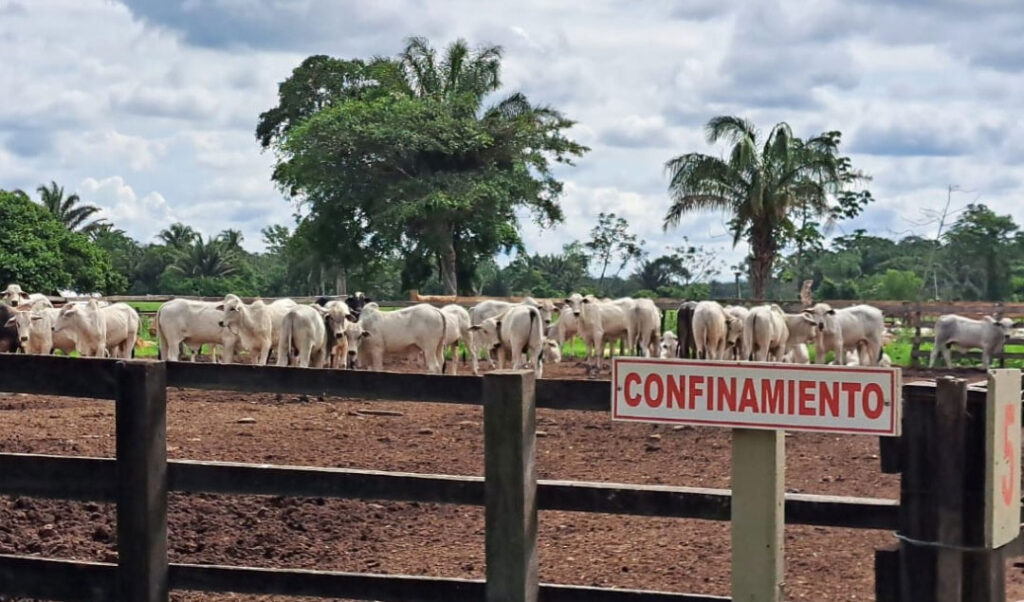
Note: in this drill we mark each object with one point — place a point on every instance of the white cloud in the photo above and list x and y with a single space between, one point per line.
166 95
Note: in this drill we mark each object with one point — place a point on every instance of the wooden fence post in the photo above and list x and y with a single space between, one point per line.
510 486
141 481
758 496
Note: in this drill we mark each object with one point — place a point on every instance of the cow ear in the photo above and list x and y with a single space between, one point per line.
351 318
219 307
497 324
831 312
10 323
34 317
321 309
474 327
364 335
586 299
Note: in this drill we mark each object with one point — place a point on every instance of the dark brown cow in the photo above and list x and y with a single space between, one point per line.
687 347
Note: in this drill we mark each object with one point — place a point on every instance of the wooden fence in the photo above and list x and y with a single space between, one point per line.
140 478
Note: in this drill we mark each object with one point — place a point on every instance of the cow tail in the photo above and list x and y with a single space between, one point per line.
681 350
748 337
535 317
440 342
284 342
159 339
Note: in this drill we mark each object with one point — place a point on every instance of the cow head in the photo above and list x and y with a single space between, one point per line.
24 321
575 303
14 295
733 329
336 315
354 335
356 303
547 310
488 332
232 307
552 351
1003 326
823 316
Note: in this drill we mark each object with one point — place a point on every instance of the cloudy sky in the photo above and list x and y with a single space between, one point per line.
147 108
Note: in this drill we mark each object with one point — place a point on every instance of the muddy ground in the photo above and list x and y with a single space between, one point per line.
442 540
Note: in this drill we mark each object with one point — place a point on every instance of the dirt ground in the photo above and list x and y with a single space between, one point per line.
442 540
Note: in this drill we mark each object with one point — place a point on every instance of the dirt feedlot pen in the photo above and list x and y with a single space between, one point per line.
135 481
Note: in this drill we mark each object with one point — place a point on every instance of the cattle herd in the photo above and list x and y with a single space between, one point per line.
353 331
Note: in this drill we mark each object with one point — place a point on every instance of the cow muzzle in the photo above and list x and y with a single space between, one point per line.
222 324
576 313
24 339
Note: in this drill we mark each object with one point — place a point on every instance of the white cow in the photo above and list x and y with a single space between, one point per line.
193 324
711 327
987 333
518 333
494 307
669 345
99 331
35 331
803 329
605 321
457 328
304 331
420 327
552 351
250 325
848 328
734 339
648 327
765 334
17 297
568 325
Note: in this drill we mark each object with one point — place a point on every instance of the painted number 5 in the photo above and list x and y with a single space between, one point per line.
1010 418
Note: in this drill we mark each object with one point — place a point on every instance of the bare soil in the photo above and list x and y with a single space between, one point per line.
442 540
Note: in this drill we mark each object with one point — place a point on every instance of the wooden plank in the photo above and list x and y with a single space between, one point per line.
1002 457
141 481
574 394
58 375
758 485
323 382
510 488
51 579
388 588
887 575
948 486
58 477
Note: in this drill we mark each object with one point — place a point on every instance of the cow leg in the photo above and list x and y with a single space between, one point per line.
947 354
934 355
455 359
986 358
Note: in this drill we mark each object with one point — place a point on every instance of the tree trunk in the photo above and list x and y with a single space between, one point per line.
449 279
341 282
762 251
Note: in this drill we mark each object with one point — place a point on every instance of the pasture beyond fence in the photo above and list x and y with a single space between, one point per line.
140 478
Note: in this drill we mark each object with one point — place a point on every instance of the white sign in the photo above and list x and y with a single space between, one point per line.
1002 461
833 399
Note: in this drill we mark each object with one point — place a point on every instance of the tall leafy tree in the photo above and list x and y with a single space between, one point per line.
69 210
761 183
980 247
612 244
405 154
205 259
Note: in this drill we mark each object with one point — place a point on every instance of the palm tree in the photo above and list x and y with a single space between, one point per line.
178 236
231 239
207 259
761 183
67 210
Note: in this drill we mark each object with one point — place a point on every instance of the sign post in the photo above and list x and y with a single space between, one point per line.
759 401
1002 458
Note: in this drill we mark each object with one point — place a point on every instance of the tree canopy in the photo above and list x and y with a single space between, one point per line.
405 154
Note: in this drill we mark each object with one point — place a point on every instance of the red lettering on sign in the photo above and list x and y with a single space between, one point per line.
791 397
726 393
652 383
1009 419
748 400
631 379
695 390
806 397
829 396
873 411
851 390
675 392
771 396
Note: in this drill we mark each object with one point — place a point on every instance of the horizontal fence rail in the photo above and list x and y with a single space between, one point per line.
94 581
93 479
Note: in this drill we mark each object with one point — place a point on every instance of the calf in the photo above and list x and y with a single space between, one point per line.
99 331
552 351
457 328
711 329
420 327
847 328
987 333
249 325
669 345
734 340
604 321
193 324
35 331
684 330
765 334
519 333
17 297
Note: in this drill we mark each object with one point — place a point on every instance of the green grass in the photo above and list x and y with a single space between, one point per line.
145 306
